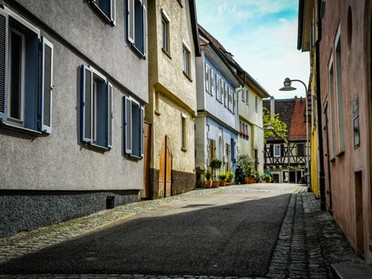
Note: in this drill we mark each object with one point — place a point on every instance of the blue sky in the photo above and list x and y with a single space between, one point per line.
262 36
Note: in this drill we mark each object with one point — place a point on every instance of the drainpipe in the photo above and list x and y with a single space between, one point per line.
319 122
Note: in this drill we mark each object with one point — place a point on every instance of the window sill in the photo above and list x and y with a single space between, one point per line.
167 53
340 153
137 51
188 76
10 126
134 157
92 145
102 14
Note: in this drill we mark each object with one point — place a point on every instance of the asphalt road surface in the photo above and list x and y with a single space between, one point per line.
225 233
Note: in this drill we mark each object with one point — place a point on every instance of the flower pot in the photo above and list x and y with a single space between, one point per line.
250 180
222 182
207 183
215 183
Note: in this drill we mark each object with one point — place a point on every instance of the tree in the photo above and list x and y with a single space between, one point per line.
273 126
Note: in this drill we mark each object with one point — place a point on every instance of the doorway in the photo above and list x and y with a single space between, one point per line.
165 169
359 213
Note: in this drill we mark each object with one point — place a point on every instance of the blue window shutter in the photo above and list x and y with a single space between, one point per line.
3 63
141 130
86 104
144 30
46 86
109 115
130 20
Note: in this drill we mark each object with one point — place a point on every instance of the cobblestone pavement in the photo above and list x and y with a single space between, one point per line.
309 240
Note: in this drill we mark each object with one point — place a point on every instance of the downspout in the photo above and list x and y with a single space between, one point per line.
319 122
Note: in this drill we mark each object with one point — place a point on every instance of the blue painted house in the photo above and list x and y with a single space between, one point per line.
217 121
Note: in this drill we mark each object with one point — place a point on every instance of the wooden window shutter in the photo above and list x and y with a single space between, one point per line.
127 125
46 86
144 29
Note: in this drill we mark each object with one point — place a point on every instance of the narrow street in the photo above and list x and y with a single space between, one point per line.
258 230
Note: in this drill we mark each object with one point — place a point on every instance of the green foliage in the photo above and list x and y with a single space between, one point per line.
274 127
246 162
215 164
222 175
207 175
230 175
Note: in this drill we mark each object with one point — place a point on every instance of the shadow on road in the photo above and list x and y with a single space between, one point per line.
236 239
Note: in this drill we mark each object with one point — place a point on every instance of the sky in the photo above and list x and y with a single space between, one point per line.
262 36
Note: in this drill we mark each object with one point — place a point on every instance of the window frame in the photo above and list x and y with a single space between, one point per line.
111 16
128 103
36 100
90 137
277 147
186 54
132 27
183 132
165 36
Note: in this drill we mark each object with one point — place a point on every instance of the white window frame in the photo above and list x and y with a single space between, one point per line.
131 27
186 53
128 103
111 17
277 151
34 112
90 109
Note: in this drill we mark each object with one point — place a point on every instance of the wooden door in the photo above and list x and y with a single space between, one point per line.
145 193
165 170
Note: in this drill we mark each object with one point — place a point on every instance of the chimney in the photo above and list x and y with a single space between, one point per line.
272 107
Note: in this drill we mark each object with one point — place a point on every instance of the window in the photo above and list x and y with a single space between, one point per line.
137 26
300 149
211 86
256 103
332 107
277 150
225 94
133 128
183 132
219 88
246 96
338 91
26 75
165 32
96 109
207 78
107 8
186 60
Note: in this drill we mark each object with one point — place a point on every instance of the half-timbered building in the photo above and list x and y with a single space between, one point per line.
286 158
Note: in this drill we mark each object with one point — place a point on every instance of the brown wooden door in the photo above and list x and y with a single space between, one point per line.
145 193
165 169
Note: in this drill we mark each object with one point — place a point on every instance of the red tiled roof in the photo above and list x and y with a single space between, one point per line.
298 123
292 113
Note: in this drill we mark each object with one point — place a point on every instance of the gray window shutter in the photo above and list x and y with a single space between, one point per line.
144 30
86 104
3 63
46 86
127 125
109 114
130 20
142 130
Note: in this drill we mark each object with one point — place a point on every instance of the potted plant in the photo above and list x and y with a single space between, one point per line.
230 177
207 181
246 162
222 176
215 165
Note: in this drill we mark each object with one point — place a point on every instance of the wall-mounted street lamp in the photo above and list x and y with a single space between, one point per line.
287 87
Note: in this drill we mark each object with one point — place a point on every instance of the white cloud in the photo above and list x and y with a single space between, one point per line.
262 35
